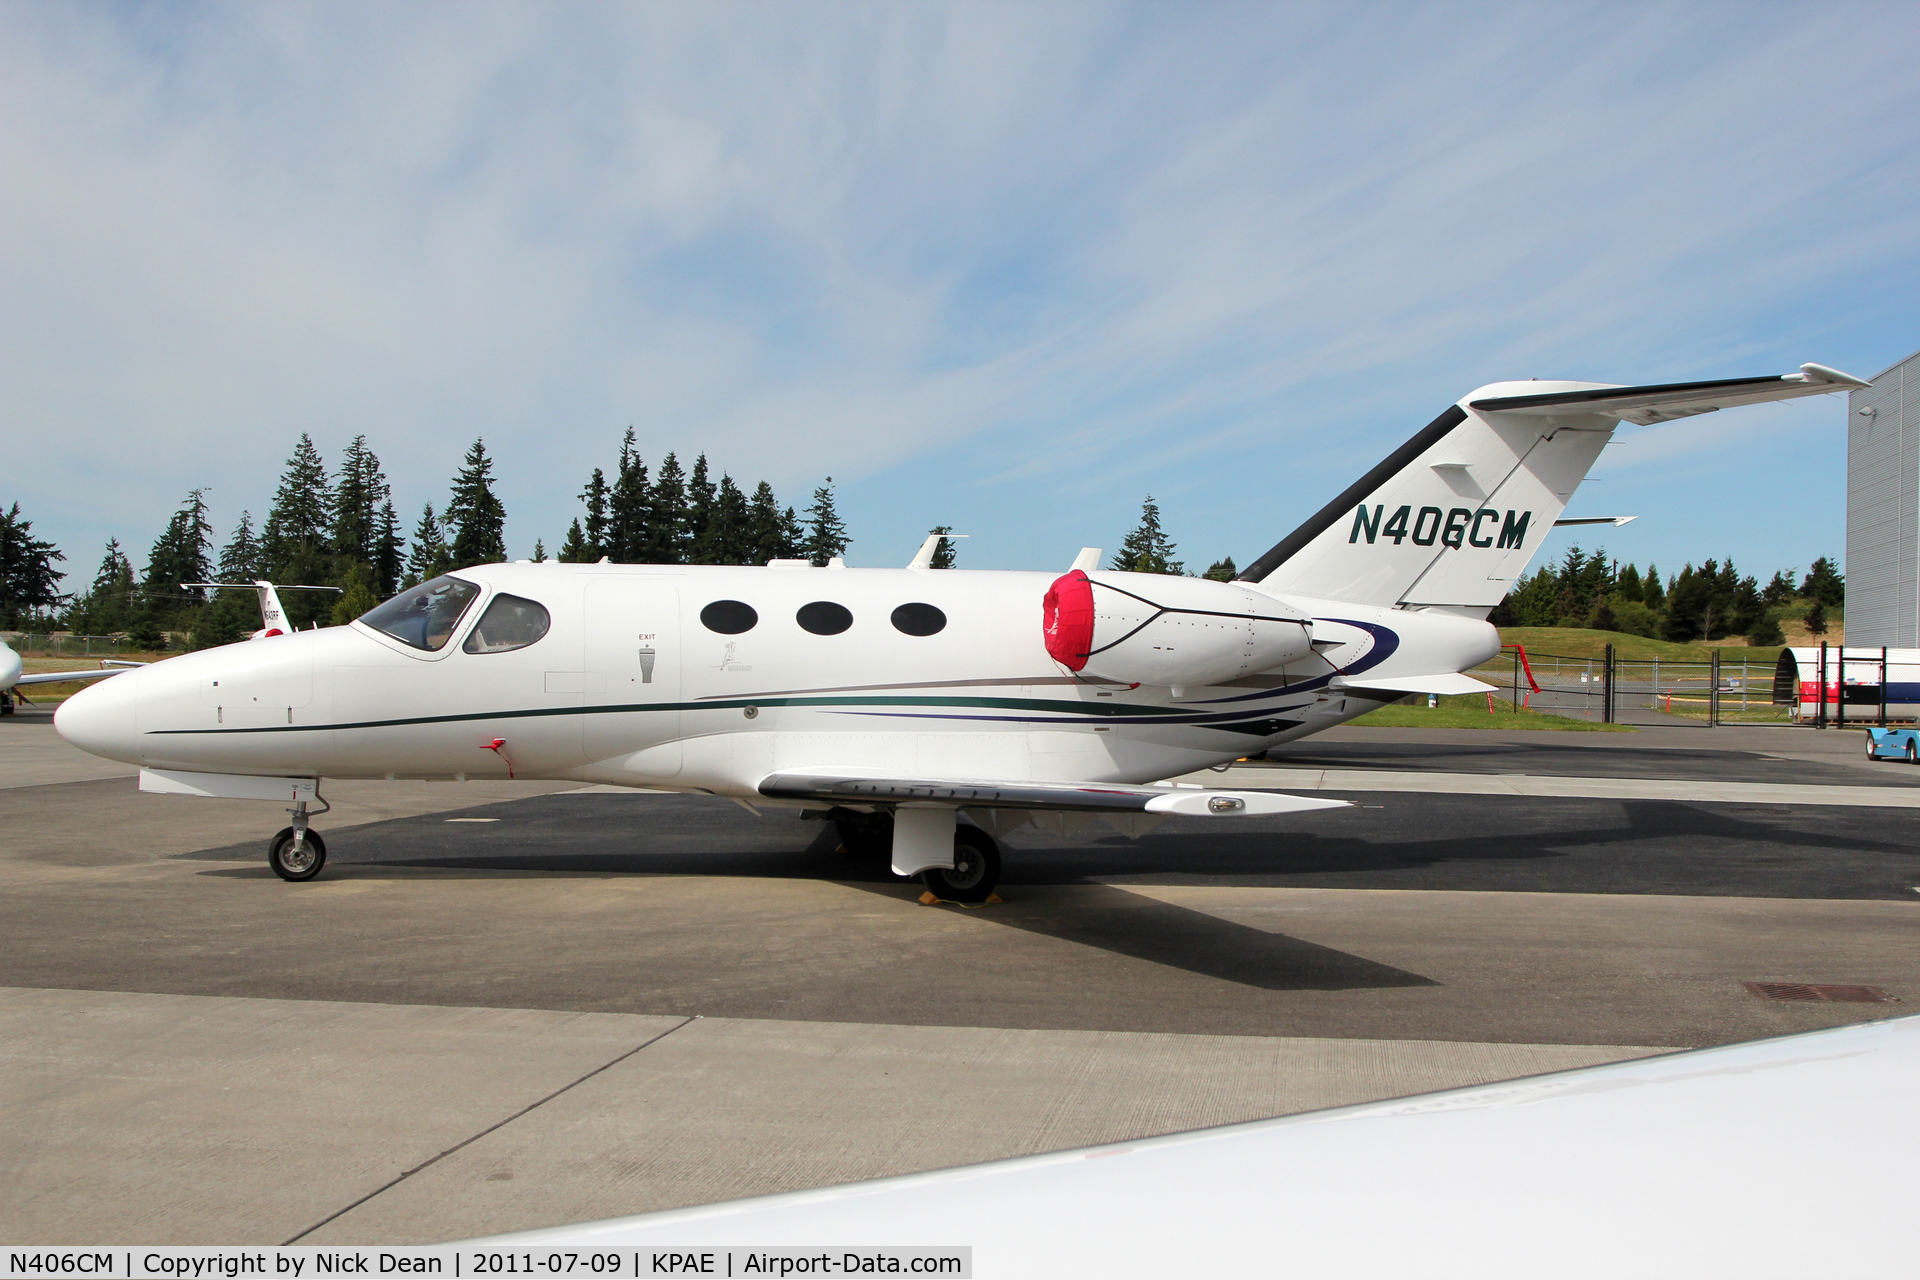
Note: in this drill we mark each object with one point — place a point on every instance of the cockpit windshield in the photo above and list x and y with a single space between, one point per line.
426 615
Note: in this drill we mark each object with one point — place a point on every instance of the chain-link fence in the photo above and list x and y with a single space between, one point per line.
1637 691
61 644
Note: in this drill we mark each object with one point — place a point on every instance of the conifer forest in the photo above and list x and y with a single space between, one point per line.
341 529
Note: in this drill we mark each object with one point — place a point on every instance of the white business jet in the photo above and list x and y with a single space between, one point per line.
891 701
12 675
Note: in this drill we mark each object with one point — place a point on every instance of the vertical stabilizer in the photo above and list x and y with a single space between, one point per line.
1453 516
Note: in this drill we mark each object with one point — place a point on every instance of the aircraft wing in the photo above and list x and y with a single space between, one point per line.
62 677
1081 797
1445 682
1664 402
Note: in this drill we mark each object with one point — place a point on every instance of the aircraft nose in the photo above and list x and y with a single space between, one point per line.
99 719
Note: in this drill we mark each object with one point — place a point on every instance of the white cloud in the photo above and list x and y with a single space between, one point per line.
1230 253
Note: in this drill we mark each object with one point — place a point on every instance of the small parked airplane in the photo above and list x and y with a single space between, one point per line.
890 701
12 676
273 618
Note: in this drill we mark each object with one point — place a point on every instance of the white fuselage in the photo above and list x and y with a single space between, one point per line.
628 686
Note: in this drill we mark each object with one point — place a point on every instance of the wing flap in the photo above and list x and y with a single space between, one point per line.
1071 797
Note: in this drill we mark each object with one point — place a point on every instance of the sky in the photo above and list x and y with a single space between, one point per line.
1007 268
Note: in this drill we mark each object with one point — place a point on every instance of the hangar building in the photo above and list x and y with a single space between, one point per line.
1883 509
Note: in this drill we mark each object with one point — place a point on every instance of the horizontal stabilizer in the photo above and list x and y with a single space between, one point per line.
1615 521
1666 401
1081 797
1446 682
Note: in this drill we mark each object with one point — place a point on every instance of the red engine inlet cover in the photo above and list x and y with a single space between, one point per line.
1066 617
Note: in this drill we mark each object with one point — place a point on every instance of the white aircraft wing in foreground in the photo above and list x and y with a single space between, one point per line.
1790 1157
891 702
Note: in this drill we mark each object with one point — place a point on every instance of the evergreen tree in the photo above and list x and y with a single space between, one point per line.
587 545
389 551
667 516
574 548
29 584
108 605
629 506
232 616
1534 601
357 597
183 554
539 551
1767 633
826 536
767 534
724 540
1602 619
357 499
475 515
1690 603
793 536
240 558
429 557
1147 549
1817 618
1779 588
1627 585
299 528
1654 598
1825 583
701 496
1222 570
943 550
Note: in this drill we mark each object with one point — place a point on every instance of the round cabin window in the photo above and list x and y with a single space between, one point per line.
824 617
729 617
919 619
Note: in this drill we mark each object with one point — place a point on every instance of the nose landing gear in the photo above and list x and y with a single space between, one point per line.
297 853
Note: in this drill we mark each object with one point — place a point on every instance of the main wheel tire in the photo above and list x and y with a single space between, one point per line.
312 857
868 835
976 868
1913 752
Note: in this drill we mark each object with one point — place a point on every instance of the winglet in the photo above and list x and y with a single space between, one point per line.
1821 373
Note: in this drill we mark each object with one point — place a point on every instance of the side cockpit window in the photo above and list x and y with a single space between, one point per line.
510 622
426 615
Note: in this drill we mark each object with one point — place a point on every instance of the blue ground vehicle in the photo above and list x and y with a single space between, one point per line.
1894 744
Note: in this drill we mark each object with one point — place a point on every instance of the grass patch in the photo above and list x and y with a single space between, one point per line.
1469 711
1583 642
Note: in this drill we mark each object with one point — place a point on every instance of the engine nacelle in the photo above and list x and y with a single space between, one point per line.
1144 628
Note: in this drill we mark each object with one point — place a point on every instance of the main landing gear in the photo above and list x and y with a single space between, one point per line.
976 868
297 853
869 837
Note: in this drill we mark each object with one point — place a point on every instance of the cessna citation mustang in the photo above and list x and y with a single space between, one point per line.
891 701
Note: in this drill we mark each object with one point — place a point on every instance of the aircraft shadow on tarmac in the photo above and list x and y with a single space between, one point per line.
1055 887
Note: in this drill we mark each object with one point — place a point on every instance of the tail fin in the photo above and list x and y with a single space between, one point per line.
1452 517
273 618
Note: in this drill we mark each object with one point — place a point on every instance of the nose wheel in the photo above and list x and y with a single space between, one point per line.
297 853
295 858
975 871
